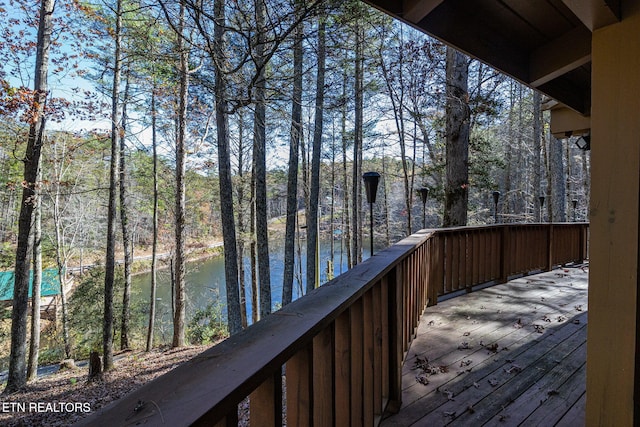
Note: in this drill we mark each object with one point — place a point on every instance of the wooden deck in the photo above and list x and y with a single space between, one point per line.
508 355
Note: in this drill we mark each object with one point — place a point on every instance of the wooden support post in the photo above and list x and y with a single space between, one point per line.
613 336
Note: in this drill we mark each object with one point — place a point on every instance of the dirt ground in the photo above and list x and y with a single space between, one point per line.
62 398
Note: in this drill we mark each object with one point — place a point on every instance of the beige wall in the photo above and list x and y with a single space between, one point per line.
615 157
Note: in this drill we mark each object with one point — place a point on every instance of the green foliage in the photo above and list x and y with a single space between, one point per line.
207 326
86 312
86 316
7 255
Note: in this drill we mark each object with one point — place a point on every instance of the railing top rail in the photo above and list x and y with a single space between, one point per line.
212 383
196 388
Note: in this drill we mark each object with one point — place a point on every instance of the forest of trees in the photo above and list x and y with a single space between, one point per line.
153 126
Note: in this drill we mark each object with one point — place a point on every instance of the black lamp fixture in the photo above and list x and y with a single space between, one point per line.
424 193
584 142
496 198
371 180
541 198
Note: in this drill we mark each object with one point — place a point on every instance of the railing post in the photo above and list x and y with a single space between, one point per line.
396 339
549 247
581 248
505 255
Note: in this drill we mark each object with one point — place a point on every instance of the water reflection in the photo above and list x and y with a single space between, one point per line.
205 282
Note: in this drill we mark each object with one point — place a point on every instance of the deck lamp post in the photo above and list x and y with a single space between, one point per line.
541 198
371 180
575 205
424 193
496 197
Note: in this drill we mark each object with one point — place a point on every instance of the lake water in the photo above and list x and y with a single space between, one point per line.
205 282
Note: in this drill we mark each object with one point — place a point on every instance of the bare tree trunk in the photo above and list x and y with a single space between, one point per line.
313 275
397 98
357 146
179 315
292 179
259 152
226 183
110 262
385 198
253 253
17 359
61 264
332 208
557 181
537 134
346 236
126 233
34 343
154 245
241 225
457 171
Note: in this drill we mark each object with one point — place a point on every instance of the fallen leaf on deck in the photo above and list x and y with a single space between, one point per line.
449 414
512 369
449 394
539 328
576 321
476 385
466 334
464 346
493 347
422 379
518 324
464 363
494 382
578 307
552 393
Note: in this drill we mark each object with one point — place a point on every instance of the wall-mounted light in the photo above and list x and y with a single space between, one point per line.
584 142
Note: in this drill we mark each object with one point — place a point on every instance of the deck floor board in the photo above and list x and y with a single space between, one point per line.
511 354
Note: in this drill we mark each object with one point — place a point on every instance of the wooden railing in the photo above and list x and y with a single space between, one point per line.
334 356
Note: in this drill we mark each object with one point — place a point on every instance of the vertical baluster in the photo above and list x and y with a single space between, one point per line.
298 377
377 351
265 402
356 362
323 373
396 344
367 359
342 369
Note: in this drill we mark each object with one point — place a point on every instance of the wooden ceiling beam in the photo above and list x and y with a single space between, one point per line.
595 14
415 10
566 53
